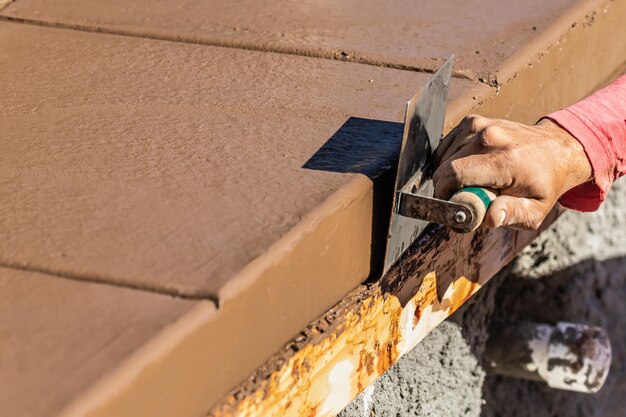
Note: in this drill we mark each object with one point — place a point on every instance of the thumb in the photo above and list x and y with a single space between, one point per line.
516 212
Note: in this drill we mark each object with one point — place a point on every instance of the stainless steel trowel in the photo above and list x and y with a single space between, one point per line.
414 206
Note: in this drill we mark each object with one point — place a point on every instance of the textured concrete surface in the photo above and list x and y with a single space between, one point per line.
58 336
161 157
575 271
401 33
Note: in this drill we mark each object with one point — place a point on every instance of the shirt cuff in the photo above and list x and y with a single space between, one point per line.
588 196
585 197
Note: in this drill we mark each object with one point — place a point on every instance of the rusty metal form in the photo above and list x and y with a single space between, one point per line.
322 378
319 372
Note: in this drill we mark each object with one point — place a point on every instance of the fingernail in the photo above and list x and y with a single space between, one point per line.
501 218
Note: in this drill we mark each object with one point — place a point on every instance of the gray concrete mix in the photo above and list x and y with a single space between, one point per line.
575 271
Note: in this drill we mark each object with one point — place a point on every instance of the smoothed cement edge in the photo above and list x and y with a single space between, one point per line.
340 216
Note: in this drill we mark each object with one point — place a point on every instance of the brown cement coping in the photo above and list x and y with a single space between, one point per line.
537 84
59 336
402 34
170 167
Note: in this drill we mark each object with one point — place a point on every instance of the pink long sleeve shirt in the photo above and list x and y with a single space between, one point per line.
599 124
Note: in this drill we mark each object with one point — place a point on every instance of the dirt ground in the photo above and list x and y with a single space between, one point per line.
575 271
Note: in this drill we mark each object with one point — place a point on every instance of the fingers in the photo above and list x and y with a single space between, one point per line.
459 136
454 147
447 141
491 170
518 213
486 153
491 137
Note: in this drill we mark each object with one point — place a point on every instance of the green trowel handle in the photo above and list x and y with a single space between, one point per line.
477 199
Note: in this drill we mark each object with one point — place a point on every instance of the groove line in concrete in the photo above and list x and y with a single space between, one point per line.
93 279
233 45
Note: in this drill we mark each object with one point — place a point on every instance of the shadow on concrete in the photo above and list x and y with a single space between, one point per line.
371 148
360 146
591 292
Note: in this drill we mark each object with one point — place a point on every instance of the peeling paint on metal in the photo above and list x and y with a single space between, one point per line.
340 382
538 346
334 371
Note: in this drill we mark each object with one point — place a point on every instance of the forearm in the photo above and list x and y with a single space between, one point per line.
599 124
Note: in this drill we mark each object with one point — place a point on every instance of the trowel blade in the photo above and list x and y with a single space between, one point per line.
423 126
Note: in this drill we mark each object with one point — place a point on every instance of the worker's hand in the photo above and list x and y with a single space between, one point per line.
530 166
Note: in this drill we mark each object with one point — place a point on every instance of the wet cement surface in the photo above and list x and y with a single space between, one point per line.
401 33
167 166
60 336
575 271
